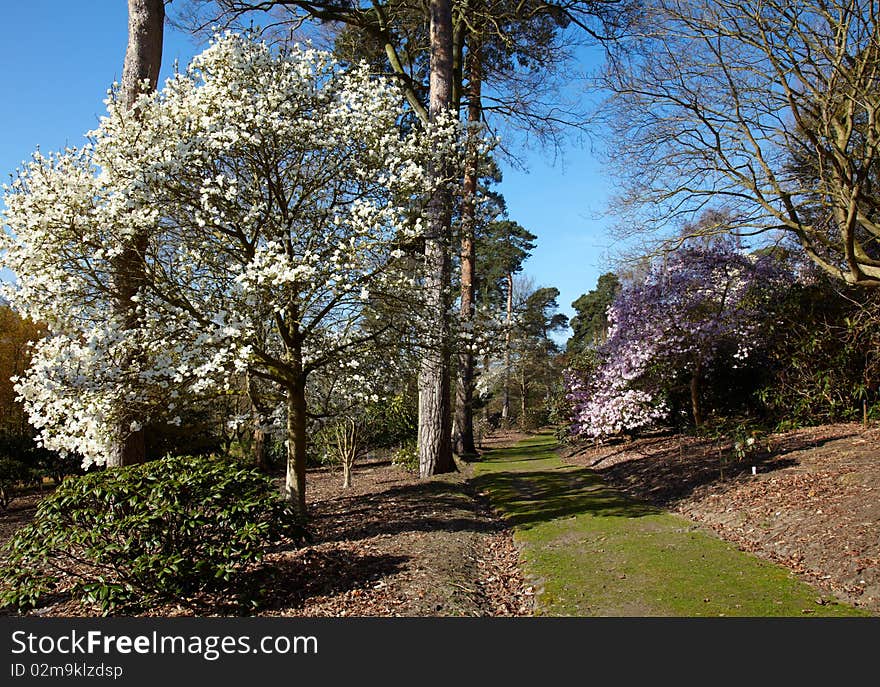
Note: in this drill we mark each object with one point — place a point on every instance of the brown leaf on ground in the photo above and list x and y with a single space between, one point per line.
391 545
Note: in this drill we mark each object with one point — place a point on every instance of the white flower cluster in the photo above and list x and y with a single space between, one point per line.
267 198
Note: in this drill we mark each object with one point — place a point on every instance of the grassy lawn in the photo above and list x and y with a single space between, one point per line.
590 551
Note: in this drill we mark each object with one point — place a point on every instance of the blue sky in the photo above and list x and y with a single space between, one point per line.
60 57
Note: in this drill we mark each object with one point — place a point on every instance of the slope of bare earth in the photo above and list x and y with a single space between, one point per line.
811 505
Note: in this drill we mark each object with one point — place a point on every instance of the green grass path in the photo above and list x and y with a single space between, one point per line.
590 551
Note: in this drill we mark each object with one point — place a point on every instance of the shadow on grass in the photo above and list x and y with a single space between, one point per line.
522 452
529 498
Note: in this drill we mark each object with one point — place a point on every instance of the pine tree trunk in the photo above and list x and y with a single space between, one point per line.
464 397
435 416
140 73
505 402
487 414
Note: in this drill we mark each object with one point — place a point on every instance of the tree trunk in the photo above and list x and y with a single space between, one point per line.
259 411
295 477
258 449
346 474
696 407
143 55
435 422
487 415
505 403
523 397
464 397
140 73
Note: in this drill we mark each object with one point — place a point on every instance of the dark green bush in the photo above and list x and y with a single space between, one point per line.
823 362
535 418
128 537
386 424
196 435
56 467
392 421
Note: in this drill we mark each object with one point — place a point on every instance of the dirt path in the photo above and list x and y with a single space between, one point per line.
591 551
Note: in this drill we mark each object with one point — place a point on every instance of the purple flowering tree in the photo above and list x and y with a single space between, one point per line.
694 304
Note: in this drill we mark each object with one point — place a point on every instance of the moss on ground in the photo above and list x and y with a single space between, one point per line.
591 551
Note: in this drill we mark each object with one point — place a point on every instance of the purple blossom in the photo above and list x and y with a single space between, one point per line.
691 305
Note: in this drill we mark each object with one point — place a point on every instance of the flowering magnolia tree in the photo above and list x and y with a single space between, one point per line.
697 307
272 195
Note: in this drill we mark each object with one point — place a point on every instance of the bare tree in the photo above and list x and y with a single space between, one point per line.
767 109
348 442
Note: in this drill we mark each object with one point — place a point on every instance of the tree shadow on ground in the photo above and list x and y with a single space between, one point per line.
292 581
430 506
286 583
664 472
530 498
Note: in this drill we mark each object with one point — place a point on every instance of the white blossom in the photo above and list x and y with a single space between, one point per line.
273 194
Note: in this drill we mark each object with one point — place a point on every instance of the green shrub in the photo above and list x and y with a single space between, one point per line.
392 421
56 467
321 453
535 418
406 456
823 362
165 530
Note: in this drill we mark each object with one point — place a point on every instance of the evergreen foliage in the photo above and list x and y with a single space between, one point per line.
167 530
